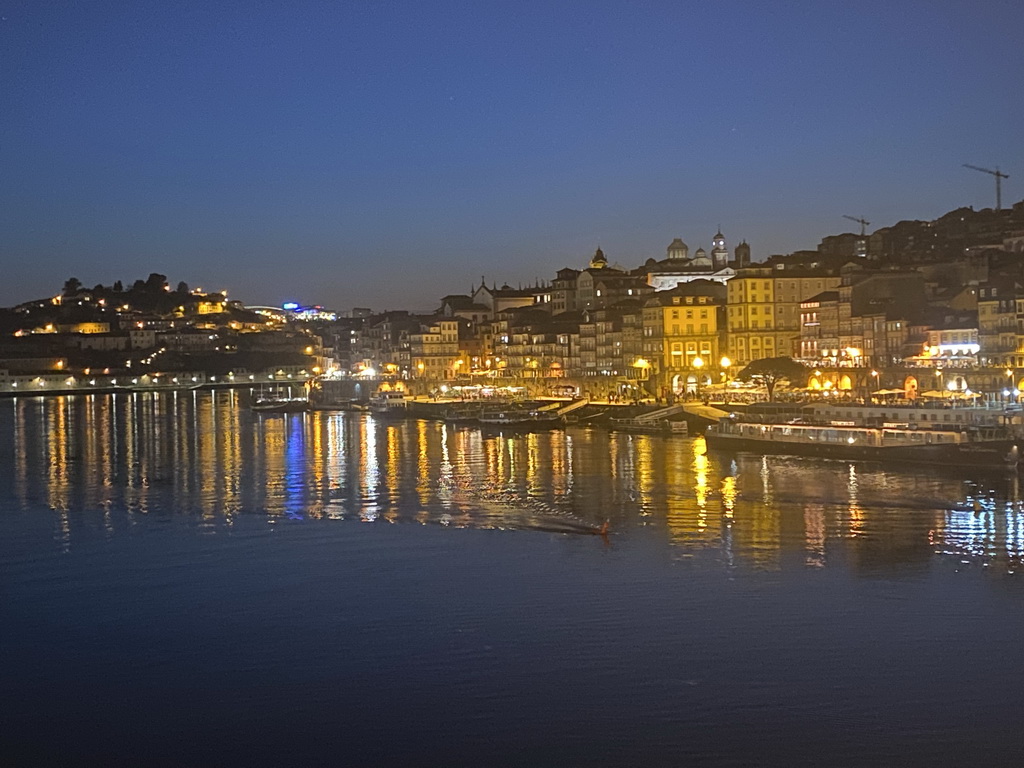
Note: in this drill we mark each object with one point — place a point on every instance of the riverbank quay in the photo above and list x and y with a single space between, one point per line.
46 385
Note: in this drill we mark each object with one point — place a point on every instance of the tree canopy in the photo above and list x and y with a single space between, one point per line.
772 370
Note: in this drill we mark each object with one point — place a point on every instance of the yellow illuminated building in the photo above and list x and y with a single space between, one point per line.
682 333
763 309
435 351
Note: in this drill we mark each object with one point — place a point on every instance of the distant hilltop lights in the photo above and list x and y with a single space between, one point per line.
299 312
292 310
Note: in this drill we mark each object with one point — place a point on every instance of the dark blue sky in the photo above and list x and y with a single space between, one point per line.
383 154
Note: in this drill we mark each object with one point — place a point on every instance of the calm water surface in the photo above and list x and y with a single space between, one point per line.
183 582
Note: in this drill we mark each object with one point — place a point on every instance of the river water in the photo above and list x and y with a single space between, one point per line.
183 582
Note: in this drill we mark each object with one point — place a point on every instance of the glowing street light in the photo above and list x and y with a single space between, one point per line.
724 364
643 366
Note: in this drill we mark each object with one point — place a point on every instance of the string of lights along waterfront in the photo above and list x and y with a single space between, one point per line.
181 575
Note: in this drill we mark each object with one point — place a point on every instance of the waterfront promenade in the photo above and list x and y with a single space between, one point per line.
14 385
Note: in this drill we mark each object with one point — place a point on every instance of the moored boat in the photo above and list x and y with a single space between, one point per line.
516 418
463 415
896 442
650 427
389 403
279 402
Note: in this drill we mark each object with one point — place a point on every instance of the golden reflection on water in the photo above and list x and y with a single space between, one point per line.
111 461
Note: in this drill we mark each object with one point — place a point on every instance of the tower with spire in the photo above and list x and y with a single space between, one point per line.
719 253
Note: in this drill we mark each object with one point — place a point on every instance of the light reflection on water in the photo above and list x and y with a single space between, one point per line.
113 461
183 578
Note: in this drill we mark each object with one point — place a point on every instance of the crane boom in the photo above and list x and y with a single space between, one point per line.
862 221
999 176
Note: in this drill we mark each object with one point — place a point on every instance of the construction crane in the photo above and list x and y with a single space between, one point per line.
999 178
863 223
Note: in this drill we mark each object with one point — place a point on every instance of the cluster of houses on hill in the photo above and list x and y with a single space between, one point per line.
857 302
109 336
945 294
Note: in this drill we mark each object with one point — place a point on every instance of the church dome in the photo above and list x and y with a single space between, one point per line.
599 260
677 249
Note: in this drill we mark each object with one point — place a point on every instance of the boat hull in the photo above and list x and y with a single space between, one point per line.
520 425
677 428
991 453
281 407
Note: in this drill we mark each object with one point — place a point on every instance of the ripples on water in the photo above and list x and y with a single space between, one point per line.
183 582
113 460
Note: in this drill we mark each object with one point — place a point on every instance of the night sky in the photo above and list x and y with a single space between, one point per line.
384 154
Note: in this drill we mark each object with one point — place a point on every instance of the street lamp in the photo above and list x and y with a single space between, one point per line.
643 367
698 363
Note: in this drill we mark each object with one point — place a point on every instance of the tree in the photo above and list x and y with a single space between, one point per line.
72 286
118 286
156 282
182 287
771 370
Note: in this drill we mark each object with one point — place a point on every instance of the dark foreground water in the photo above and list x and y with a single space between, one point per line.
185 583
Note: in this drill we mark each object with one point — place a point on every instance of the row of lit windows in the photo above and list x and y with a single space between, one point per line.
755 342
689 314
753 326
689 329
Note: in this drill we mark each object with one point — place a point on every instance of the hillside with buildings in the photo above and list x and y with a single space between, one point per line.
946 295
